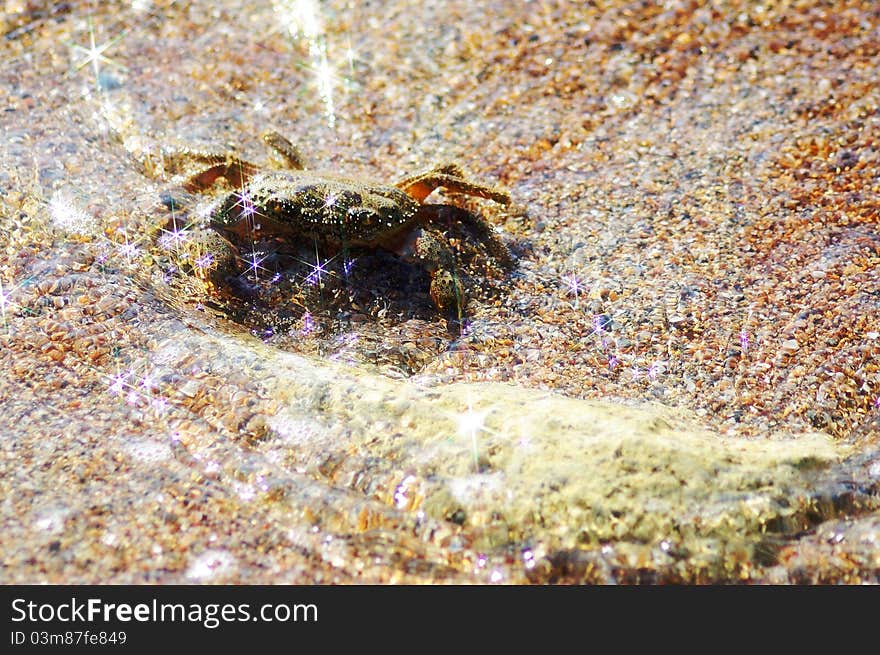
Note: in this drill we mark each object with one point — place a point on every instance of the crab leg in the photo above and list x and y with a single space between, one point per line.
236 171
482 230
449 176
291 155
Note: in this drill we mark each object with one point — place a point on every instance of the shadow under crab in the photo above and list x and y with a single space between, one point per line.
273 221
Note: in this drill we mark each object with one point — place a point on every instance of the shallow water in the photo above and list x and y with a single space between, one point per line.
692 228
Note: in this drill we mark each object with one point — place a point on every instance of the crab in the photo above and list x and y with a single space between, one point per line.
294 203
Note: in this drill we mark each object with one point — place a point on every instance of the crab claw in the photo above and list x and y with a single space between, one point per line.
429 249
447 293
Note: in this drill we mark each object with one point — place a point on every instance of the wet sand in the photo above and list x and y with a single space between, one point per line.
695 228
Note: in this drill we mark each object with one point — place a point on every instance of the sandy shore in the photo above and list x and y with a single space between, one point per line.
692 320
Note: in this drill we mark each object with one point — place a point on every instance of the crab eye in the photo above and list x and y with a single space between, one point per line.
348 199
361 217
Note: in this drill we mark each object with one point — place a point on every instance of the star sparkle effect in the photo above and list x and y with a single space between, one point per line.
204 261
325 80
138 388
329 202
574 287
651 372
601 324
94 56
254 263
175 239
469 424
118 383
67 216
303 19
247 208
318 272
6 301
319 269
128 250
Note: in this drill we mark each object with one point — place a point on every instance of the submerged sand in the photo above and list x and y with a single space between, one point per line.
677 382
